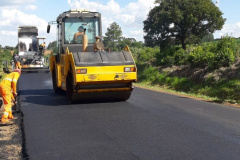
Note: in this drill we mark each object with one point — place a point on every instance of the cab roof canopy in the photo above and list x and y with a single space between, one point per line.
38 37
74 13
27 31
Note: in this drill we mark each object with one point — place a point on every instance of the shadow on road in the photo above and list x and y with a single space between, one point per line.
49 98
43 97
38 92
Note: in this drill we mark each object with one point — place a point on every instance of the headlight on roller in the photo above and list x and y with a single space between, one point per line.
129 69
81 71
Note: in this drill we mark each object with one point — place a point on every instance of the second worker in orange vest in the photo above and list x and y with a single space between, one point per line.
18 65
7 89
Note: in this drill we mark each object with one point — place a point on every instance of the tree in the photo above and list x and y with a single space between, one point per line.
181 22
113 37
9 47
137 44
53 46
123 42
208 38
5 55
126 42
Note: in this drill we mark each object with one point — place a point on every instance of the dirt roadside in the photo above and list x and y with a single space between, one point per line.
11 138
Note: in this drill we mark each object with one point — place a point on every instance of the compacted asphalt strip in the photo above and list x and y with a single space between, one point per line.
150 125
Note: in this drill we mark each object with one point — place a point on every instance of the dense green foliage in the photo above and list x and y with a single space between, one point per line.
126 42
208 38
10 48
213 55
181 22
145 54
5 54
53 46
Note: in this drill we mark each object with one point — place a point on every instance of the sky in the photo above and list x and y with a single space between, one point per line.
128 14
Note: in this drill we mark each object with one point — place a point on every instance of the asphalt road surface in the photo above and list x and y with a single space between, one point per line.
149 126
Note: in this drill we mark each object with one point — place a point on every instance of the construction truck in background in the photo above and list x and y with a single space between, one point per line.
30 52
82 67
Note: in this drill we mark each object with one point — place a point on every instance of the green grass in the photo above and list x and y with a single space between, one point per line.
221 91
171 91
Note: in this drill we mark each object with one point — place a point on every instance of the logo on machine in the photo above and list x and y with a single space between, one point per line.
121 76
92 77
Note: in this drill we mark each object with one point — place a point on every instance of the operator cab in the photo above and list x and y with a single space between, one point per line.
74 28
72 25
41 44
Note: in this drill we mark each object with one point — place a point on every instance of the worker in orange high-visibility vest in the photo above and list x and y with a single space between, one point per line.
7 91
18 65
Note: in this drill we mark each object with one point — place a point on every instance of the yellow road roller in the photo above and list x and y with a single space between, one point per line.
82 67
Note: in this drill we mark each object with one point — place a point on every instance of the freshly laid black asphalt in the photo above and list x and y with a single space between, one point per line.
149 126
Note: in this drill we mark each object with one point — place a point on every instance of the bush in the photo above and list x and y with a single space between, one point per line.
201 57
5 55
149 74
213 54
165 57
180 57
145 54
228 90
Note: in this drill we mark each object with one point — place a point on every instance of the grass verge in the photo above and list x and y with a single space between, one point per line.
221 91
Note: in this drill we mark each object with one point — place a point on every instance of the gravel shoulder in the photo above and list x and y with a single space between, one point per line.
11 138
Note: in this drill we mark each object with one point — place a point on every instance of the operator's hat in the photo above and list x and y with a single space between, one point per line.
80 28
97 37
